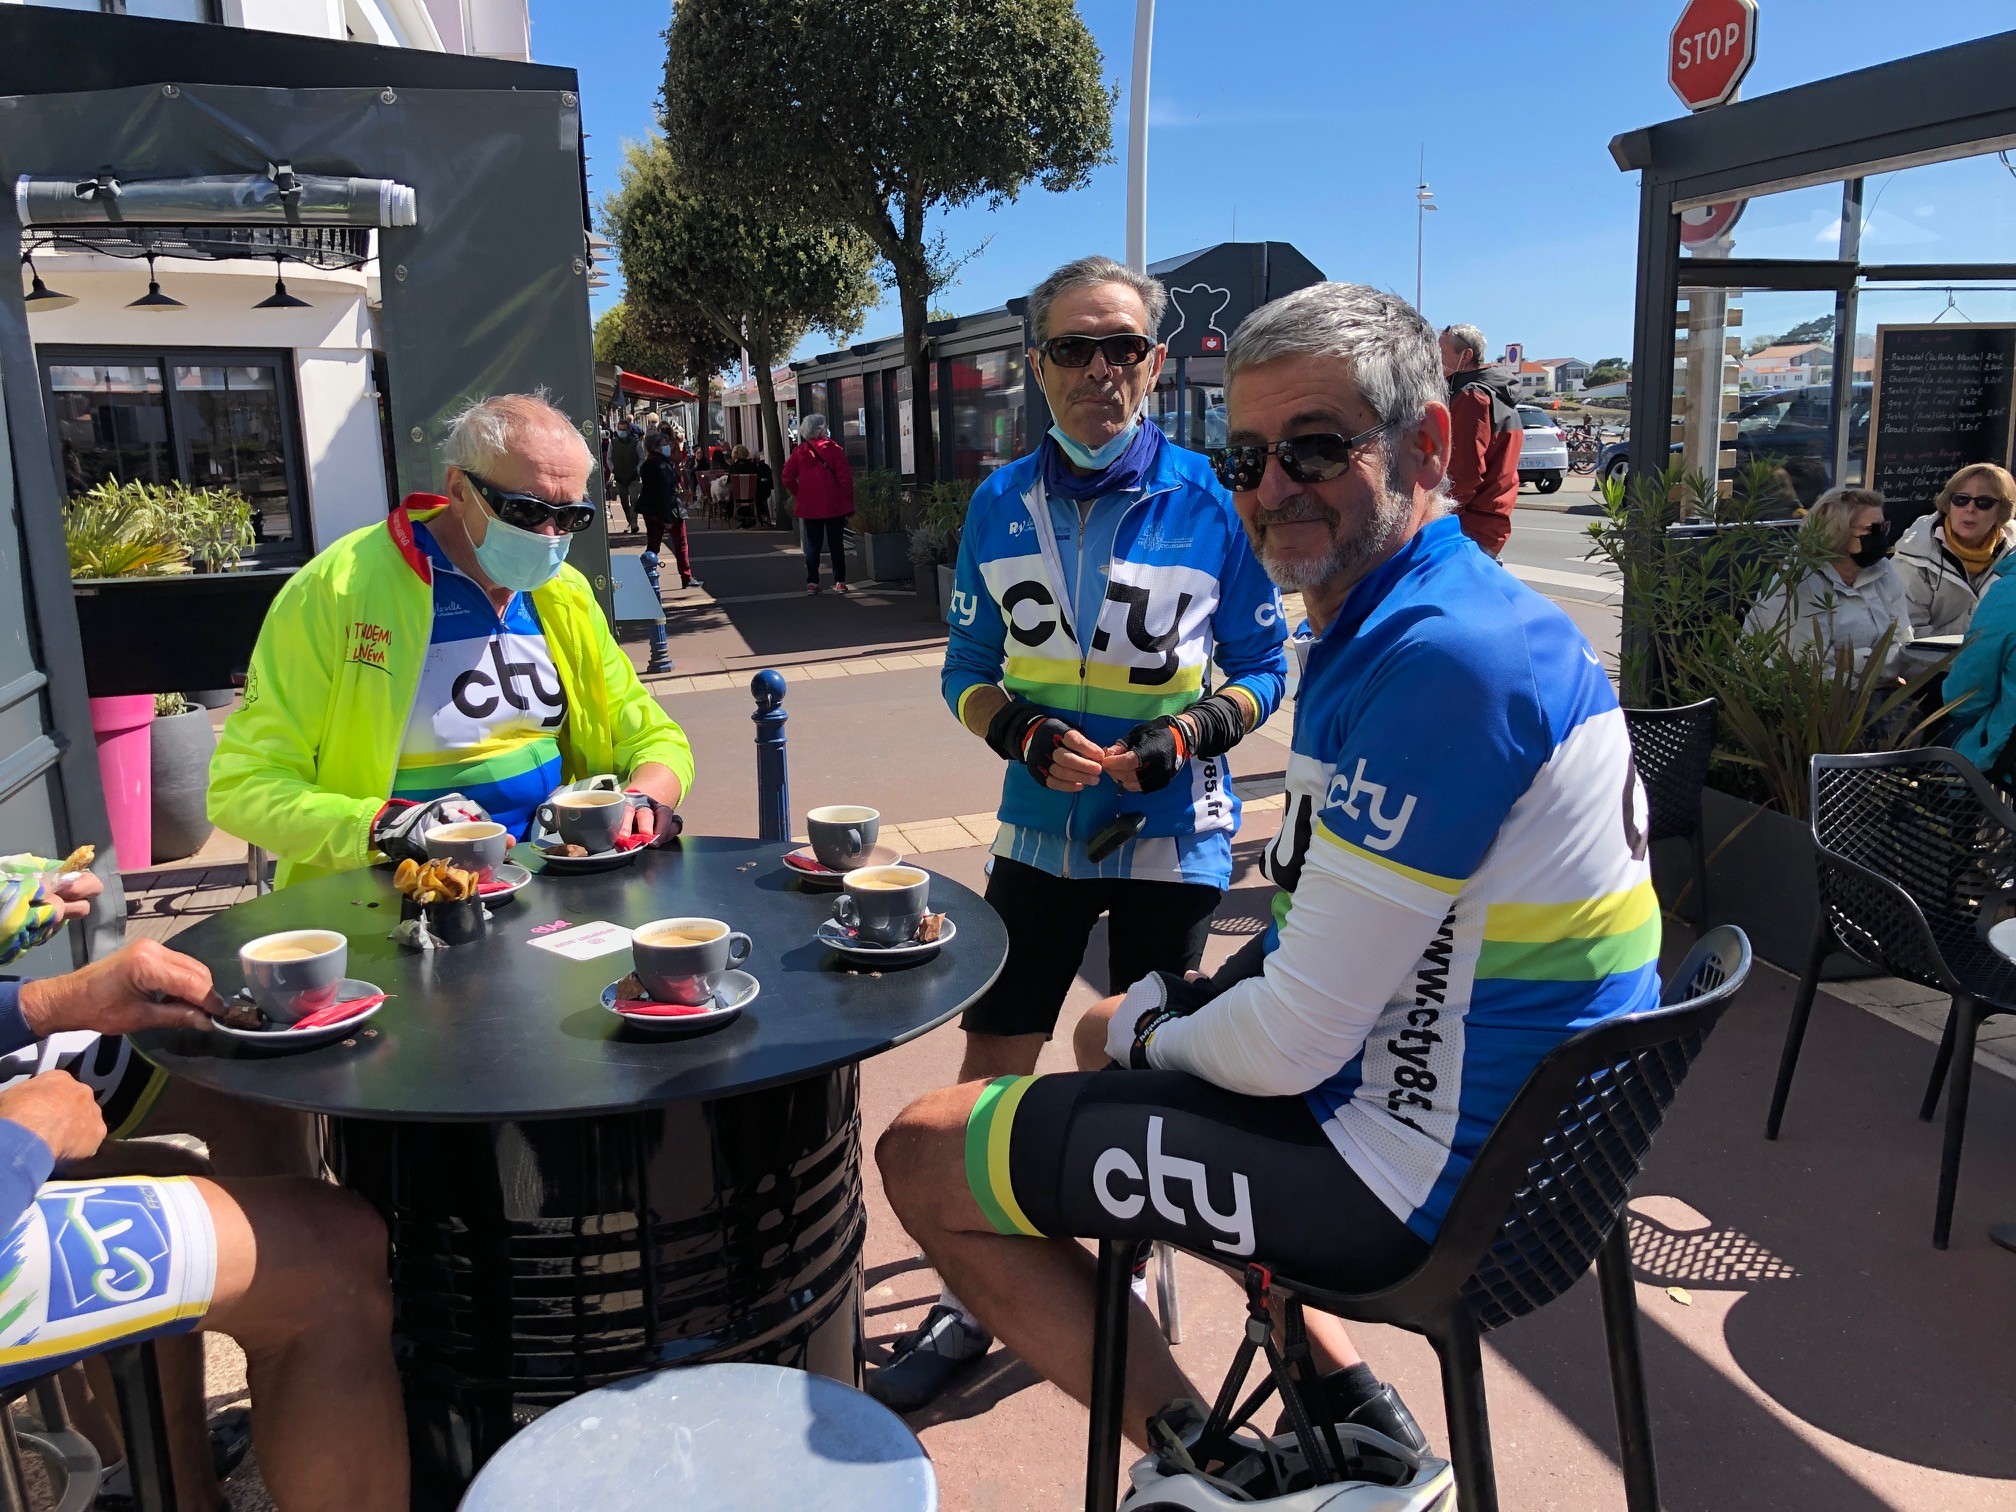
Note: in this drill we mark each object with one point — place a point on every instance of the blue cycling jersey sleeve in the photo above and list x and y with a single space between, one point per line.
976 635
1247 629
25 1163
14 1031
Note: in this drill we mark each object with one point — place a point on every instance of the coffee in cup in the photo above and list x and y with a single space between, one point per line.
883 904
478 845
593 819
295 972
842 834
681 960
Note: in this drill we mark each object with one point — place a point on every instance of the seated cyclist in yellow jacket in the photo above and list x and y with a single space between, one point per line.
444 662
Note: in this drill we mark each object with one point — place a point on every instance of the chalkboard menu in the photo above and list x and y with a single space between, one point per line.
1942 400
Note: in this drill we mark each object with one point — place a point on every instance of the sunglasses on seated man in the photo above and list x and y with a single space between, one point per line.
529 511
1306 459
1124 350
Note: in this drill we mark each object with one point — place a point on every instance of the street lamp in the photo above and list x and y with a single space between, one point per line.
1137 138
1423 203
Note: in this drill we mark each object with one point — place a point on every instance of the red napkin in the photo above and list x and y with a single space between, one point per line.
494 885
336 1013
798 861
631 842
649 1008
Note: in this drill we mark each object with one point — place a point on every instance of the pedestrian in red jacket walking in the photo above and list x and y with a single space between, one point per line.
1484 439
822 488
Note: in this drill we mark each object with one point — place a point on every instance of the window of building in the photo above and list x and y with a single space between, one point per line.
159 10
207 419
988 413
850 425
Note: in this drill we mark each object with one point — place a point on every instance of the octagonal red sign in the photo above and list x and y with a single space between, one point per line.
1712 47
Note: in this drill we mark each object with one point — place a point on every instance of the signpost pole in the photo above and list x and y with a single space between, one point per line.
1137 138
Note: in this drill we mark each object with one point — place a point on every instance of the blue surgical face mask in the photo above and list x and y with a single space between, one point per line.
520 560
1095 461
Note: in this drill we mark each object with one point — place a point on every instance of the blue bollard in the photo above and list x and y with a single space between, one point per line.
661 654
773 779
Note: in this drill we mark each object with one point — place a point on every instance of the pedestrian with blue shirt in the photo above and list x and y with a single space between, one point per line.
1112 638
446 664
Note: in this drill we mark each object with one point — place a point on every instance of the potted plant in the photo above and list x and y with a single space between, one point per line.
929 555
1692 565
180 765
944 515
882 544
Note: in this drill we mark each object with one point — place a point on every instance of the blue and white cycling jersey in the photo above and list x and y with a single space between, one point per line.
1460 774
1107 625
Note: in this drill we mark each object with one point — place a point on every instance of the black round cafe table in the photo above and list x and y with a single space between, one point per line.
572 1200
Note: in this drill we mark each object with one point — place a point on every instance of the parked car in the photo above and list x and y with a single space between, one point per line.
1543 451
1790 426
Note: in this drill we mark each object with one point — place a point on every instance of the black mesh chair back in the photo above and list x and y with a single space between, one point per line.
1672 748
1547 1188
1542 1202
1912 844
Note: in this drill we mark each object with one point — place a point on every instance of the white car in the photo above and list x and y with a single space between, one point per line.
1543 452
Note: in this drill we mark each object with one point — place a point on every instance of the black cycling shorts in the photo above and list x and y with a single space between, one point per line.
1161 1155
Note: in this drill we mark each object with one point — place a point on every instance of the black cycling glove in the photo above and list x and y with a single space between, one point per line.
1022 732
1209 727
400 828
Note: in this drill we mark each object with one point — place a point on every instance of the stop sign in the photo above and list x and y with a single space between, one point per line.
1712 47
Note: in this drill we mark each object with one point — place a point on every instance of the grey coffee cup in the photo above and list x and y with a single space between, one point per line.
593 819
882 904
842 834
686 971
288 985
477 845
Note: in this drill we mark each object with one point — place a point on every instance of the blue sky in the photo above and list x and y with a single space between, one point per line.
1302 120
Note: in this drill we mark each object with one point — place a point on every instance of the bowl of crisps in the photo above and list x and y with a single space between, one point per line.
447 897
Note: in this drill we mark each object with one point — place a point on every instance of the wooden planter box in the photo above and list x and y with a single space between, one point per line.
1762 877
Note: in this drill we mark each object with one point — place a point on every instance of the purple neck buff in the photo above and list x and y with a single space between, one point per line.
1127 471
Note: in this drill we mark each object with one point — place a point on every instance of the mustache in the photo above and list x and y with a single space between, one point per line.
1296 510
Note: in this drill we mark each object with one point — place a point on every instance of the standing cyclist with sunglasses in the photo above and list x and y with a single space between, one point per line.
1099 581
445 664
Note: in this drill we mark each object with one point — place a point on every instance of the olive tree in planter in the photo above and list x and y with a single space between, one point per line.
1781 699
882 545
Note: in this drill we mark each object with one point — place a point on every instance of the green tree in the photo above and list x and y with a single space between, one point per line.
753 281
664 339
874 113
617 340
1608 370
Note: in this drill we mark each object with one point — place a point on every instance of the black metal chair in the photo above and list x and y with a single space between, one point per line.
67 1456
1544 1198
1672 748
1913 847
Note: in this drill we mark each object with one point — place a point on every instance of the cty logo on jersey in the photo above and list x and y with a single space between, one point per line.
1117 1165
1345 796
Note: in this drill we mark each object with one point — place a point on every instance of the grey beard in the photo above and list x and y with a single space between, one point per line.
1349 555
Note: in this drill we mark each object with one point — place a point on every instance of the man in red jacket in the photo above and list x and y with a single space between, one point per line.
1485 436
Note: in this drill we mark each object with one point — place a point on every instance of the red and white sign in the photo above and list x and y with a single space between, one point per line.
1704 223
1712 47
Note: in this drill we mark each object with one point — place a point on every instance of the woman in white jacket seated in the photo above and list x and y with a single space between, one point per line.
1853 598
1945 557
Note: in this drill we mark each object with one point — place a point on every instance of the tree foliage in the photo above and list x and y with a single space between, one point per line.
874 113
750 279
626 336
1608 370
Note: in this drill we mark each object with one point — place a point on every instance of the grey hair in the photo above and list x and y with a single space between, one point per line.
485 429
811 427
1466 338
1390 349
1086 273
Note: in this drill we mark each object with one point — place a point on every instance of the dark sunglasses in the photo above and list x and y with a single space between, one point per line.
1306 459
1975 501
529 511
1125 350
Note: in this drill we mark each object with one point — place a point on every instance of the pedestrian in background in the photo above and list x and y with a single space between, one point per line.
626 461
1485 435
822 490
663 510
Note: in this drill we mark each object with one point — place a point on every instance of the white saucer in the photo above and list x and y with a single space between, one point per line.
826 876
2003 938
606 860
306 1039
833 935
736 991
504 871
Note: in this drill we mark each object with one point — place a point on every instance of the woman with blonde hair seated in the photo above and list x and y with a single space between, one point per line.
1946 557
1852 598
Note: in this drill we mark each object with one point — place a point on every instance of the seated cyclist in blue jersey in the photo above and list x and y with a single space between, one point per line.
445 664
1462 882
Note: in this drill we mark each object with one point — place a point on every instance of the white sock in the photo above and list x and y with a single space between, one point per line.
1140 1285
946 1299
